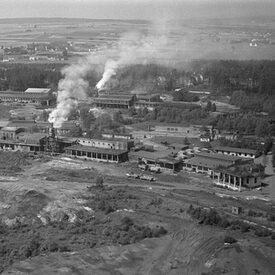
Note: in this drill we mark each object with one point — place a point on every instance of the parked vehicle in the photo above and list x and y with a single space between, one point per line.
154 169
143 167
147 177
132 175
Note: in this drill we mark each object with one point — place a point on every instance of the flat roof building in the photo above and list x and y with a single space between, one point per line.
97 154
233 151
118 102
31 95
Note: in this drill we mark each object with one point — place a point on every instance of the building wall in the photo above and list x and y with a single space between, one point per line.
19 147
96 156
242 155
104 144
9 135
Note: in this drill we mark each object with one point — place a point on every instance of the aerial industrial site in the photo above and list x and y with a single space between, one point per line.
137 146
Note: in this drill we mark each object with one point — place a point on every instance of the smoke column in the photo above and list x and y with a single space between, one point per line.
70 89
134 49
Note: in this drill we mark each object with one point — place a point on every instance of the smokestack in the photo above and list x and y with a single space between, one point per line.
52 131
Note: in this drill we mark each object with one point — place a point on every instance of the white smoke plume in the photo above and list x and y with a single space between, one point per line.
97 112
135 49
70 89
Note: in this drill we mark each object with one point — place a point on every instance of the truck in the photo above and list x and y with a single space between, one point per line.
147 177
143 167
132 175
155 169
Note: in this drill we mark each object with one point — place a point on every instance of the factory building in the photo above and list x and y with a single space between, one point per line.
226 170
105 143
115 101
161 159
207 162
239 152
24 143
234 177
10 133
97 154
31 95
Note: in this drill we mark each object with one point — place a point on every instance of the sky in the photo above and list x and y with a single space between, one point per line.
136 9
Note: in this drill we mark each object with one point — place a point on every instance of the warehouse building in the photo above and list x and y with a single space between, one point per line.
115 101
207 162
31 95
239 152
106 143
226 170
97 154
236 177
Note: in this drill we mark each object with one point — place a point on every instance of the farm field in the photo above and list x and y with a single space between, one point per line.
186 40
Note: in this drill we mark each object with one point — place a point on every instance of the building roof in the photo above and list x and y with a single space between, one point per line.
23 95
38 90
204 162
4 123
235 150
246 170
96 150
91 140
217 156
22 123
156 156
33 138
11 128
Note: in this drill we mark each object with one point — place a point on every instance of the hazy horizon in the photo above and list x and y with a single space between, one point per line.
136 9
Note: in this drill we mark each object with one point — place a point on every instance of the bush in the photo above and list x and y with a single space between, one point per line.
261 232
99 181
127 221
245 227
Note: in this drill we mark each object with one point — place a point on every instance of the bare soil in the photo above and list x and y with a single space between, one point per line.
51 223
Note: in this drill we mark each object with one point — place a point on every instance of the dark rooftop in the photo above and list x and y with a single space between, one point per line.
217 156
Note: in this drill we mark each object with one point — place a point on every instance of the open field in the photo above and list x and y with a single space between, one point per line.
192 39
71 229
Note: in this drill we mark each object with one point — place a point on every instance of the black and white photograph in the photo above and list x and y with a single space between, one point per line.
137 137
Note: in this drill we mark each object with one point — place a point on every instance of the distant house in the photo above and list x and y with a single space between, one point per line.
239 152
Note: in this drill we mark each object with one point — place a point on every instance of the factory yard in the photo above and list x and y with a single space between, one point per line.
109 237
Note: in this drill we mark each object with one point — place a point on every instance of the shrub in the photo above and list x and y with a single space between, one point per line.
127 221
99 181
261 232
245 227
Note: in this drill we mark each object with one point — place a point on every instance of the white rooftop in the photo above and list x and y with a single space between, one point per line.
38 90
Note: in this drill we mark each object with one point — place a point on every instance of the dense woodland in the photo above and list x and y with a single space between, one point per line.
250 85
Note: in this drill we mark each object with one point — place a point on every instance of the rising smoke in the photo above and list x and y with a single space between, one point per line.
71 88
132 48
